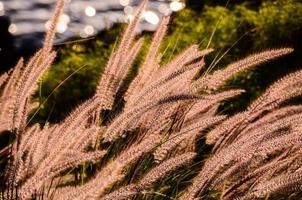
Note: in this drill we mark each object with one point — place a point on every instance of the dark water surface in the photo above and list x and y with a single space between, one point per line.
23 22
81 17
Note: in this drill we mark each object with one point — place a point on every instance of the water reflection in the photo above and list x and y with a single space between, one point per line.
176 5
87 31
13 28
22 33
124 2
90 11
151 17
2 12
82 17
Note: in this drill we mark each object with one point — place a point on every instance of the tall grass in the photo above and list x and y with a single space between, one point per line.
127 153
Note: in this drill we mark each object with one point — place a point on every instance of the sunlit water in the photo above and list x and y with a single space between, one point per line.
82 18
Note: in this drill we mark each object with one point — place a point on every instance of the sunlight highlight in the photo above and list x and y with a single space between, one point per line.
151 17
177 6
13 29
90 11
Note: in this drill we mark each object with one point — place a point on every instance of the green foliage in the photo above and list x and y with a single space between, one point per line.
272 24
242 29
239 28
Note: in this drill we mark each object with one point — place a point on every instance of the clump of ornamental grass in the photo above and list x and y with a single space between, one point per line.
256 153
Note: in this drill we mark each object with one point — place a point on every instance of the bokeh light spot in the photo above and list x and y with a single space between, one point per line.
13 29
151 17
90 11
87 31
124 2
177 5
128 10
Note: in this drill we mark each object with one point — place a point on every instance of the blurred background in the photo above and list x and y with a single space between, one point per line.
23 23
88 30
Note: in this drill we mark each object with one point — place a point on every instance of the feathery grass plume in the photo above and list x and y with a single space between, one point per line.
122 122
3 78
192 131
113 172
19 90
243 147
156 119
286 182
186 57
175 80
33 184
45 156
78 116
123 193
284 89
273 116
151 177
251 146
164 168
170 74
149 66
212 81
27 86
12 80
225 127
257 157
199 108
55 149
280 116
61 139
8 95
271 97
253 177
118 65
36 67
42 163
130 59
50 34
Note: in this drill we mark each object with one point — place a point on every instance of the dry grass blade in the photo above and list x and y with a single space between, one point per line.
117 66
218 77
151 177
